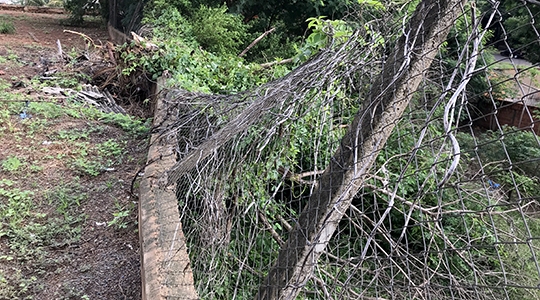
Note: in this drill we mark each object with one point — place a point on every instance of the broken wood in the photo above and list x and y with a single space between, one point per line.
277 62
84 36
256 41
60 52
102 100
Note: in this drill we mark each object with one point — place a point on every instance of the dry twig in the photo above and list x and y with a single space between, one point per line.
256 41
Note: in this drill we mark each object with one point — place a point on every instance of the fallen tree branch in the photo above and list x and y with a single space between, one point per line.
277 62
287 173
84 36
256 41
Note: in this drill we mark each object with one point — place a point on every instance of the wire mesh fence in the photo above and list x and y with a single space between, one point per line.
400 162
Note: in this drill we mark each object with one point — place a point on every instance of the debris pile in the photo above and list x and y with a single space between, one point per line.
90 94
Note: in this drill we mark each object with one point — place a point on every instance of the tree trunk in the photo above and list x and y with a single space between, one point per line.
367 135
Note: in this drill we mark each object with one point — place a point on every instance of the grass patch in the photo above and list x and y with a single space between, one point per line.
66 197
30 232
7 27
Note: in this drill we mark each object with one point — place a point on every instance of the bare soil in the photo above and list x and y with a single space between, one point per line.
101 262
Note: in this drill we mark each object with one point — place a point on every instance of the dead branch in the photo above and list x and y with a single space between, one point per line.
298 177
110 47
533 2
142 42
84 36
269 227
277 62
256 41
285 224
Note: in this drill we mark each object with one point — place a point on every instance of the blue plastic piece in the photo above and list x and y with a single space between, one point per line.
493 185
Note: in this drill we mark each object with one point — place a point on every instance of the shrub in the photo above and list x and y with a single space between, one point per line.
76 10
217 31
171 25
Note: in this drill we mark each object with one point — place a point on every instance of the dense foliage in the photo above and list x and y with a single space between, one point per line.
515 30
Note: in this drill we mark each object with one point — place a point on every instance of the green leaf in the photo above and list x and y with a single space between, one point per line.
373 3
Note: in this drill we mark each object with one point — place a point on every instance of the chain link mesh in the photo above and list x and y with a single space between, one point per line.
446 207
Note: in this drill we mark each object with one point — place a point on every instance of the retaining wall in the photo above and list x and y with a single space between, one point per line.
165 269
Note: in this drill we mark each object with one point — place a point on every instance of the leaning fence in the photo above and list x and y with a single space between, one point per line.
385 167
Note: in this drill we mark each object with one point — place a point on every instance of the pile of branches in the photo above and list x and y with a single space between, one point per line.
104 68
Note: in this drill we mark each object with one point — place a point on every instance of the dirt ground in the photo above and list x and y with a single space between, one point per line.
101 260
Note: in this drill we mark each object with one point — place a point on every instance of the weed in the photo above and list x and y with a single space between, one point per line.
69 290
121 215
17 205
12 101
4 115
6 126
6 182
74 134
119 219
66 81
4 84
13 56
60 79
12 164
7 27
81 149
28 232
127 123
66 197
84 166
109 185
36 168
110 148
47 110
36 125
14 285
